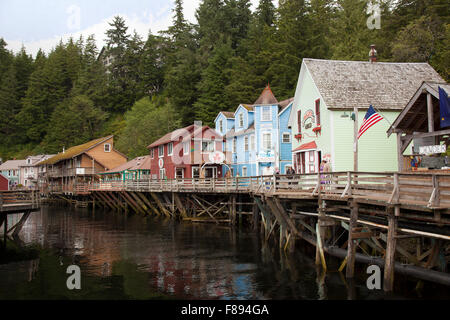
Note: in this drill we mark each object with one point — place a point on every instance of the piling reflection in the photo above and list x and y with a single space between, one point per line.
133 257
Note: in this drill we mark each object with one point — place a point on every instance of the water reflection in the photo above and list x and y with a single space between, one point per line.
143 258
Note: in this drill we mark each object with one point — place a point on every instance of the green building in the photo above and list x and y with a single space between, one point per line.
327 93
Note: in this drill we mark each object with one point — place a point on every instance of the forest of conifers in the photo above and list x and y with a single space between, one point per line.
192 71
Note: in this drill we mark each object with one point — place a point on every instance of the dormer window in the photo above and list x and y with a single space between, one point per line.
107 147
28 161
221 125
241 120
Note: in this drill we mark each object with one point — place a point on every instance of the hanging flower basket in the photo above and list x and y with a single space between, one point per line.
317 130
298 136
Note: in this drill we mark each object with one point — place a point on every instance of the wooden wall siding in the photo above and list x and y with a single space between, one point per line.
110 159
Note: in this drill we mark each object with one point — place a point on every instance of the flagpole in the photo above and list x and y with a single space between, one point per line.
390 124
355 138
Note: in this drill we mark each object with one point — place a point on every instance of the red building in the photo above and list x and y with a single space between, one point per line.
3 183
187 153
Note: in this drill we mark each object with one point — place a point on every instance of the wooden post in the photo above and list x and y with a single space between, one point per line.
233 208
389 261
255 217
351 248
355 140
430 113
400 152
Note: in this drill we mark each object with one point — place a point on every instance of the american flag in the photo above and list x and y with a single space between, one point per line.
370 119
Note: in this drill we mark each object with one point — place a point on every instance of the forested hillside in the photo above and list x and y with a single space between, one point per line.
192 71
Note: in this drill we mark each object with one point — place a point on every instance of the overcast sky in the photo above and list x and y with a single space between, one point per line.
42 23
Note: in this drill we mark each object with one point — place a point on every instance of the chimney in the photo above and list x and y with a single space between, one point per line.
372 53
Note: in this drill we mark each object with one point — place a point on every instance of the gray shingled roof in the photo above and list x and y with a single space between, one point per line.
385 85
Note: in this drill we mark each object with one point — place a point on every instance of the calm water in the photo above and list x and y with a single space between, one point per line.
146 258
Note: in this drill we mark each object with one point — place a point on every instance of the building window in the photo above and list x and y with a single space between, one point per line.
161 151
186 146
28 161
151 153
195 172
299 120
286 138
26 170
244 171
207 146
318 112
107 147
267 141
241 120
246 143
221 125
266 114
170 149
234 145
162 173
252 142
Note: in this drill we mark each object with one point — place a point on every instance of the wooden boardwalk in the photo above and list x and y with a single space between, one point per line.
400 221
14 202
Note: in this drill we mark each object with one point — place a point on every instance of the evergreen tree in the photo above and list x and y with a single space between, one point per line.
212 97
152 65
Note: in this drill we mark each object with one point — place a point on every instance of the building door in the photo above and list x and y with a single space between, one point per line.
210 172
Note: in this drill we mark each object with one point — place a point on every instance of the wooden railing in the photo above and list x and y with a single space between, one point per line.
54 173
431 190
8 198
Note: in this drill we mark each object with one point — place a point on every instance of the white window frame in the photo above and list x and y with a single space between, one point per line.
163 171
263 141
152 153
161 147
207 149
170 148
286 134
109 147
252 143
234 143
246 145
221 125
241 120
244 174
186 147
269 113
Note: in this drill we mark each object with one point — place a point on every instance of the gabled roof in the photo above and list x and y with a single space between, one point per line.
414 117
138 163
232 133
226 114
284 104
266 97
13 164
385 85
75 151
185 133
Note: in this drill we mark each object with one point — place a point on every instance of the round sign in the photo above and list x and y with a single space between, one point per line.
161 163
216 157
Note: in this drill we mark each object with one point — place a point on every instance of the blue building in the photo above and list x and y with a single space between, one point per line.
258 141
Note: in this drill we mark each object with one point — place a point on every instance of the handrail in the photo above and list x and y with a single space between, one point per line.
432 190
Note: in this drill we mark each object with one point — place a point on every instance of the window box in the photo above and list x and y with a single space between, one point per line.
298 136
317 130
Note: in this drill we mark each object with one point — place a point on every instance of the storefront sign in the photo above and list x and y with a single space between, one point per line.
433 149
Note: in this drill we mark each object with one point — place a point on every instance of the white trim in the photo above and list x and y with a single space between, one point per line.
159 155
168 149
288 134
246 144
262 113
331 115
290 105
109 147
188 149
246 171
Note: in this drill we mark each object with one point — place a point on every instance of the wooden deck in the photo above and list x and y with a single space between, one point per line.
410 190
18 201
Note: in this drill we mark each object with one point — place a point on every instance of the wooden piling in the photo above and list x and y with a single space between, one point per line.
390 249
351 248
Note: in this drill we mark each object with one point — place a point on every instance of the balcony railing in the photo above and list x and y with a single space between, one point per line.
55 173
